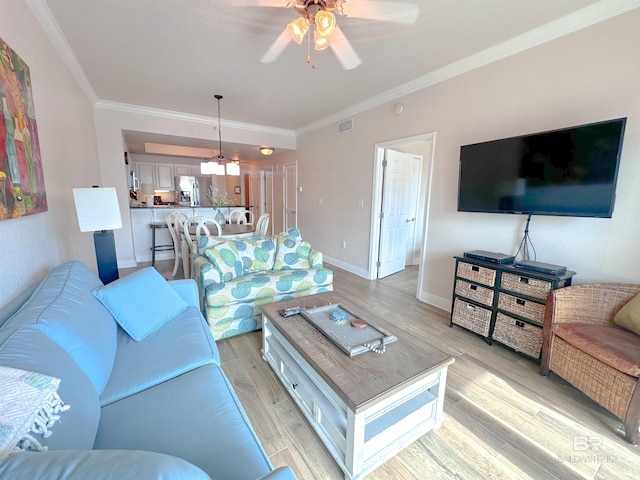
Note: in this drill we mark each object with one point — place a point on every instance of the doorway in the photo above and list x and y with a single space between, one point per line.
400 187
420 144
289 196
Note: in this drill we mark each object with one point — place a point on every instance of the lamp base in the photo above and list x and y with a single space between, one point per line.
106 255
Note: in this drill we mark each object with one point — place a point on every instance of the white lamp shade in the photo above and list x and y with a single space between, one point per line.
233 169
208 168
97 209
218 169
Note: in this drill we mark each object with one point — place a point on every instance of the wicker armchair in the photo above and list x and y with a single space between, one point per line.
582 345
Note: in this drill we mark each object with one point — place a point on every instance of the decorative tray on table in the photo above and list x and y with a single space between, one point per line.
349 332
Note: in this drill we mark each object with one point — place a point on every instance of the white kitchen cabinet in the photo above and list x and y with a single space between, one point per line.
183 170
140 220
146 172
164 176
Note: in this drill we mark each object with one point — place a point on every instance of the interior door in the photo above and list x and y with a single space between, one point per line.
290 173
399 202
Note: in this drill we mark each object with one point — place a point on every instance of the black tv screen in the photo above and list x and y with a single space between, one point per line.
571 172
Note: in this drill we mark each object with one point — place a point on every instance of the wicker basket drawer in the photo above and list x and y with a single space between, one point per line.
522 337
474 292
532 287
475 273
471 317
525 308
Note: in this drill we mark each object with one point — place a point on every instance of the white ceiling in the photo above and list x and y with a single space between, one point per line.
176 54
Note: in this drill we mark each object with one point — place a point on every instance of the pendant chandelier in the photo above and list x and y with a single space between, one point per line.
217 166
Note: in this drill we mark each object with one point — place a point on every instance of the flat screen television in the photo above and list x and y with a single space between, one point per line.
570 172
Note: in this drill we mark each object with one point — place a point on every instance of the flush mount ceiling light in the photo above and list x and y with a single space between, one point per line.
318 17
266 150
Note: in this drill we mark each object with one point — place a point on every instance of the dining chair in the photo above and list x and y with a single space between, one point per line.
196 227
175 222
262 225
240 216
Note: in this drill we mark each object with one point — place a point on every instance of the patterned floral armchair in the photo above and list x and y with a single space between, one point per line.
235 276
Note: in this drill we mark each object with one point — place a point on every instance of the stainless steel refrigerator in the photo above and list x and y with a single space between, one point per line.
193 191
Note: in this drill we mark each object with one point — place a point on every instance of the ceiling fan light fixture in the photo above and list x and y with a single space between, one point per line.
325 22
266 150
321 42
298 28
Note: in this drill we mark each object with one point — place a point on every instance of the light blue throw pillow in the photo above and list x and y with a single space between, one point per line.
141 302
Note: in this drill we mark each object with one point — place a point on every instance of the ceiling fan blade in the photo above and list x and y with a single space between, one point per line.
343 50
276 47
406 13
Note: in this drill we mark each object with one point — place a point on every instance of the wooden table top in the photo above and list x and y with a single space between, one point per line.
365 378
237 229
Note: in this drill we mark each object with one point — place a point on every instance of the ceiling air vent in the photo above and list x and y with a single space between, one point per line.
345 126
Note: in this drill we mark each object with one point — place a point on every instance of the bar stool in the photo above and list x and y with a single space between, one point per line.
157 248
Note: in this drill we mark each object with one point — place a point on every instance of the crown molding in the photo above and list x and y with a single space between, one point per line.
44 16
188 117
583 18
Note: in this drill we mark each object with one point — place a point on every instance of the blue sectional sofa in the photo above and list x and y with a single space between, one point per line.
146 396
235 277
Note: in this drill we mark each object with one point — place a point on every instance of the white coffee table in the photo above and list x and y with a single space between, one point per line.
366 408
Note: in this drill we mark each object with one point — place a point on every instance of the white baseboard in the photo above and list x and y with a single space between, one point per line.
361 272
439 302
127 264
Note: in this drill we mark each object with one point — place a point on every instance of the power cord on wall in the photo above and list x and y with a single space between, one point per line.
526 243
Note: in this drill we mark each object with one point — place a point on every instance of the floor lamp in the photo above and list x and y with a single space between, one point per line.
98 212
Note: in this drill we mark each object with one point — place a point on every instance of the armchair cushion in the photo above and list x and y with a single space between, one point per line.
292 253
616 347
226 258
256 254
629 315
141 302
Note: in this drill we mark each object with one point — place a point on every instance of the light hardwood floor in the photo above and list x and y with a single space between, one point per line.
503 420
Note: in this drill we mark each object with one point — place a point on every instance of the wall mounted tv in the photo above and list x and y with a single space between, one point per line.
571 172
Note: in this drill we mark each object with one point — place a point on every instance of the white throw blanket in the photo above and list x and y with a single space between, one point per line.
29 404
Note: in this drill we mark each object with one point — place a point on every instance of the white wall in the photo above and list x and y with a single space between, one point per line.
588 76
33 244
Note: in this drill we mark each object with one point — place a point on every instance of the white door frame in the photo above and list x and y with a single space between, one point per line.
376 204
285 200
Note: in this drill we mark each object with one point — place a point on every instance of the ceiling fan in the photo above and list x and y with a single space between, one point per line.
318 19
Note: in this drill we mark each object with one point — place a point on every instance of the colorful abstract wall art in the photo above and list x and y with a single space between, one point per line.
22 189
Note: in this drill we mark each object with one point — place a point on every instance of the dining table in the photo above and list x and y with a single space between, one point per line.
231 230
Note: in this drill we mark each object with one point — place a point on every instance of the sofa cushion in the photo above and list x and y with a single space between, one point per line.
182 344
99 465
258 285
629 315
27 348
141 302
63 308
616 347
196 416
291 253
225 257
256 254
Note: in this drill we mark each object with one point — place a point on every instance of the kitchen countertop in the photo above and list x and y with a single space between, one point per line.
185 206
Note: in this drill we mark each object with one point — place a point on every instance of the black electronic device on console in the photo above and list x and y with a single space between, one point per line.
540 267
491 257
